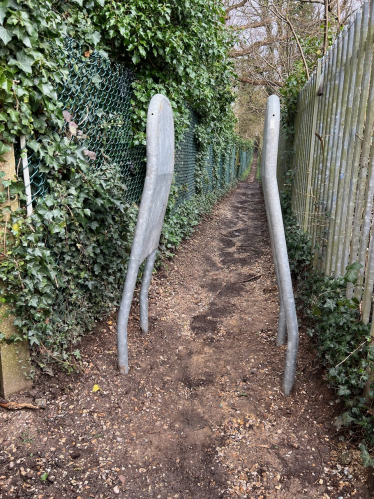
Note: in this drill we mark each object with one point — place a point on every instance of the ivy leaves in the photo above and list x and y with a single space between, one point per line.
25 64
67 261
32 61
5 35
178 48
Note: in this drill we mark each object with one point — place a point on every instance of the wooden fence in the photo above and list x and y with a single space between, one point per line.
333 157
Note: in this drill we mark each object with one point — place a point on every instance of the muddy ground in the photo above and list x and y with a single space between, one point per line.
201 414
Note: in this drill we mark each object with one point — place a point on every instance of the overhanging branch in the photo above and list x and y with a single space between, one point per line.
256 45
252 81
235 6
258 24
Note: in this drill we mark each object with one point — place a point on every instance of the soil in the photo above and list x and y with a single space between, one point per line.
201 413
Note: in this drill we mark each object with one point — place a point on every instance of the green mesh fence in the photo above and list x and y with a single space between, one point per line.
185 163
96 98
210 170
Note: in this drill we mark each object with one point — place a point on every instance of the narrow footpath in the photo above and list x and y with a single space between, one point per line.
201 414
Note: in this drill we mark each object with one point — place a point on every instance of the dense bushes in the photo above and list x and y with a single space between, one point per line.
65 263
178 48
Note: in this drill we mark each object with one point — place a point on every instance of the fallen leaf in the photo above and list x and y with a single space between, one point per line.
67 116
73 128
96 388
90 154
15 406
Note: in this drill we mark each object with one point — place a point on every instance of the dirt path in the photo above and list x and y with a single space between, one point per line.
201 414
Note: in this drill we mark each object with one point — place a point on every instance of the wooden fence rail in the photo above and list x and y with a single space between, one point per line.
333 157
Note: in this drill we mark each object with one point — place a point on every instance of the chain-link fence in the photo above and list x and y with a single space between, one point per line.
96 98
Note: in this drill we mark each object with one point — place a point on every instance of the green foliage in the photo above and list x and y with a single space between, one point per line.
290 92
365 456
64 266
30 31
65 263
342 340
178 48
298 244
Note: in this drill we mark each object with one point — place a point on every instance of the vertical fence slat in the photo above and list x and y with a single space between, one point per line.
333 157
325 172
315 102
352 163
345 165
317 157
333 153
353 222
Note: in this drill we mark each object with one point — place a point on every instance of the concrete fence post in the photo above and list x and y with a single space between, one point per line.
14 356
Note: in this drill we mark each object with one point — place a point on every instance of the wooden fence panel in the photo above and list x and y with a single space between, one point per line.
333 157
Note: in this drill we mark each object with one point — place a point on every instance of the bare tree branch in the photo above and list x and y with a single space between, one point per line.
259 24
268 45
252 81
285 18
255 45
235 6
339 14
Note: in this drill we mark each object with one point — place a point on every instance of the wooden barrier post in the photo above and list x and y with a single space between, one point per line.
14 357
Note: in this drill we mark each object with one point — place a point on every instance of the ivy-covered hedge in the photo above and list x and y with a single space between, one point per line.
65 265
177 47
66 261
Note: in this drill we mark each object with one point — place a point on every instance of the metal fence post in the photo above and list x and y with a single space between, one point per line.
160 168
277 235
15 356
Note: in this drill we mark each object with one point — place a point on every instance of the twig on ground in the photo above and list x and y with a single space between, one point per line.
15 406
248 280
